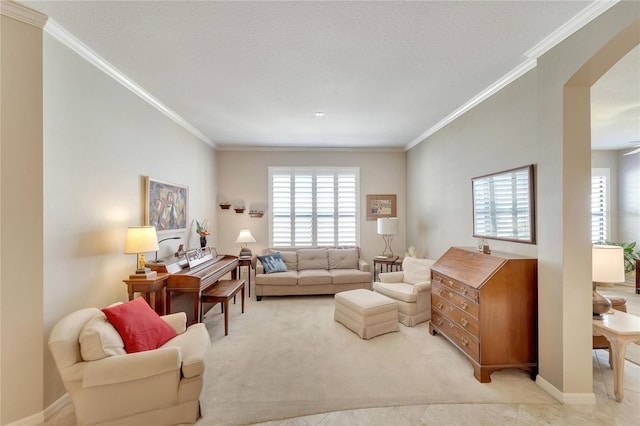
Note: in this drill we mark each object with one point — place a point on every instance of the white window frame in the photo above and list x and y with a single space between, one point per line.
600 174
314 217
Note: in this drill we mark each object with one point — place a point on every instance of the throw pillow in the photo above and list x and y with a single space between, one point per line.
140 327
99 339
273 263
416 270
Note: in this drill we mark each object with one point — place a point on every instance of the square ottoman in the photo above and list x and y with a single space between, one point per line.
366 313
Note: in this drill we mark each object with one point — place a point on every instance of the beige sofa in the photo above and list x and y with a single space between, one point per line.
314 271
109 386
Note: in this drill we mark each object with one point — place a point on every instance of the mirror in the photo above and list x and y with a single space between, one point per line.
503 205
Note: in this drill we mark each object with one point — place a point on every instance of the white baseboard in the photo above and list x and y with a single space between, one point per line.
565 398
46 415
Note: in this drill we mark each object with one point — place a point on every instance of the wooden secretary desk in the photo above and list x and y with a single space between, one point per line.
486 305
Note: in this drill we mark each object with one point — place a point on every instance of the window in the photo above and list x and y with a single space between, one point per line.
314 207
599 205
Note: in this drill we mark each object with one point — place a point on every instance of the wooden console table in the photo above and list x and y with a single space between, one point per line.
619 328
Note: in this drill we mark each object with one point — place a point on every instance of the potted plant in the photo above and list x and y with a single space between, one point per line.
203 231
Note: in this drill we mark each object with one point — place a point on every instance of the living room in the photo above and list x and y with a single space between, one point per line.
86 142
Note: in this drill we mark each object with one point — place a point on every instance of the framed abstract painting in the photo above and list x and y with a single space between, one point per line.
166 205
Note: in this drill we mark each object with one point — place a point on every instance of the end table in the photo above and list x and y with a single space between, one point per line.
248 262
148 289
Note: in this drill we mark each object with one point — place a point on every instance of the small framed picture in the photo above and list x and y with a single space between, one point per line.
166 205
381 206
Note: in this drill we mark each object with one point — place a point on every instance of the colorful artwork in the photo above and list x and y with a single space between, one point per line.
166 205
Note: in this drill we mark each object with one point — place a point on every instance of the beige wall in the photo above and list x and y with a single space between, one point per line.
21 267
522 124
99 142
629 198
243 179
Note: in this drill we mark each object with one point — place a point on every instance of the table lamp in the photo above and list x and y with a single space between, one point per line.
607 267
387 227
245 237
141 239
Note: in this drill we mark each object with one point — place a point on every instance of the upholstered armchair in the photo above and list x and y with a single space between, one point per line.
108 385
410 288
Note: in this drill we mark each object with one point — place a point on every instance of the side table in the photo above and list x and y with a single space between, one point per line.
387 264
619 328
148 289
248 262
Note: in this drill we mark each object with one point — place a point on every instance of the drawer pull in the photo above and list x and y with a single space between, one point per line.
439 291
450 309
464 321
440 322
465 290
464 341
439 305
464 305
450 295
450 282
451 324
438 279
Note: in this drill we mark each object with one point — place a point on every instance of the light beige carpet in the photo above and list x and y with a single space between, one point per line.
287 357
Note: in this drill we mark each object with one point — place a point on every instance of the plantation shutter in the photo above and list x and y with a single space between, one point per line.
501 206
313 207
599 205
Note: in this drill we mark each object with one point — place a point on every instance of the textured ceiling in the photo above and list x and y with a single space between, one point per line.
254 73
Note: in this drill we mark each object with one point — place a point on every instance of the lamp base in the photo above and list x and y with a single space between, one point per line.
245 252
601 305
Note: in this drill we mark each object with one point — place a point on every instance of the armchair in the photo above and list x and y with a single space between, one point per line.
410 288
109 386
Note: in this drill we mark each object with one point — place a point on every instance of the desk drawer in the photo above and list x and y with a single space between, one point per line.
460 302
460 288
459 337
462 319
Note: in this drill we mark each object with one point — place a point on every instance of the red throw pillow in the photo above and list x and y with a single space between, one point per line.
140 327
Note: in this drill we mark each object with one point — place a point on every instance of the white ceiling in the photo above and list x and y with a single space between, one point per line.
385 74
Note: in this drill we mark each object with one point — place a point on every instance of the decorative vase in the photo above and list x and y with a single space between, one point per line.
203 242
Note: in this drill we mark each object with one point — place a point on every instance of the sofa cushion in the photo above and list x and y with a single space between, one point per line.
314 276
313 259
349 276
140 327
99 339
278 278
290 258
416 270
273 263
343 258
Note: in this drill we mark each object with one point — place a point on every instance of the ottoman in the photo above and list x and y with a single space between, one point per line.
366 313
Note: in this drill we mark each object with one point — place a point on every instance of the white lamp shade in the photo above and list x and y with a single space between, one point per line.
607 264
245 237
141 239
387 225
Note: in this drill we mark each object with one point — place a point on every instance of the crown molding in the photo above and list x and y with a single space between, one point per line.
22 13
275 148
66 38
587 15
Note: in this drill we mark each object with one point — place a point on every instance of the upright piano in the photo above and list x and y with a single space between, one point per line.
193 272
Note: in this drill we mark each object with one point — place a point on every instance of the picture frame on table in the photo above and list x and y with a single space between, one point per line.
381 205
166 205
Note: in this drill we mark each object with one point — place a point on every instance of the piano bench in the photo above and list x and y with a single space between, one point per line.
222 292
